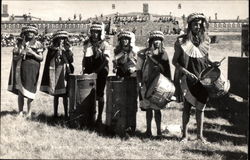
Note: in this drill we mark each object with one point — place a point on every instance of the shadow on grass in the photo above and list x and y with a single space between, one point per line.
231 109
229 129
108 131
142 136
51 120
212 136
4 113
227 155
100 129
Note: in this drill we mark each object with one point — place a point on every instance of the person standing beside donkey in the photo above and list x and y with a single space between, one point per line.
191 58
95 60
58 66
27 56
150 63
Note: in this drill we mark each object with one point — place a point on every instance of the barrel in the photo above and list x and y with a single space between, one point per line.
214 82
121 104
82 100
160 91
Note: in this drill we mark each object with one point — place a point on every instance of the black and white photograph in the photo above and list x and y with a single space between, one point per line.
123 79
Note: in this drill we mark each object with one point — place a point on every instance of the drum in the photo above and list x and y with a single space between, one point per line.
160 91
215 83
82 100
121 104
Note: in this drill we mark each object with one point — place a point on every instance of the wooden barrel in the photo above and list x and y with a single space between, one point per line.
121 104
82 100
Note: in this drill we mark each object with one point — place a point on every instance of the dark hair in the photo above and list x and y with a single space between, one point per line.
99 35
201 34
151 45
55 41
118 48
26 38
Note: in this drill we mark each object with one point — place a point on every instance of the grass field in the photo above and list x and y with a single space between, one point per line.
43 137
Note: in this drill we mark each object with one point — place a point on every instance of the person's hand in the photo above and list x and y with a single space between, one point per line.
114 70
139 85
67 46
61 48
23 52
132 70
192 77
29 51
216 64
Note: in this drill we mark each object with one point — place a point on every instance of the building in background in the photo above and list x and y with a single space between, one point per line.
4 12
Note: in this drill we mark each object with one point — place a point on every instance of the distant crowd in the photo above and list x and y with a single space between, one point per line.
9 40
167 20
131 19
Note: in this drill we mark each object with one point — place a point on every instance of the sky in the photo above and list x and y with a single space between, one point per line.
53 9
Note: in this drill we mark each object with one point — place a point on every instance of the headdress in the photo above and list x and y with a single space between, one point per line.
156 34
60 34
194 16
129 35
29 28
98 26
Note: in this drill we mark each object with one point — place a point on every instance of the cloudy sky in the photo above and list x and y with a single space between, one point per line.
53 9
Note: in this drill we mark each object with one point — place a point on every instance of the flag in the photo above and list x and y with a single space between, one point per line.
113 6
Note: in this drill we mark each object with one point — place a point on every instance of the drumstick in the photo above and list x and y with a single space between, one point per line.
222 59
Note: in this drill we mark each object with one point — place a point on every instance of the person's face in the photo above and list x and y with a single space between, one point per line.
196 26
95 34
30 35
125 41
157 42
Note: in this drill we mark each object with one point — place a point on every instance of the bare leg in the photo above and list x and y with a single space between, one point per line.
56 98
100 109
29 102
20 102
65 104
199 120
158 121
149 116
185 119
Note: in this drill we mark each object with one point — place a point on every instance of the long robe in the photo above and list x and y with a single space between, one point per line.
54 79
150 71
193 57
25 71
